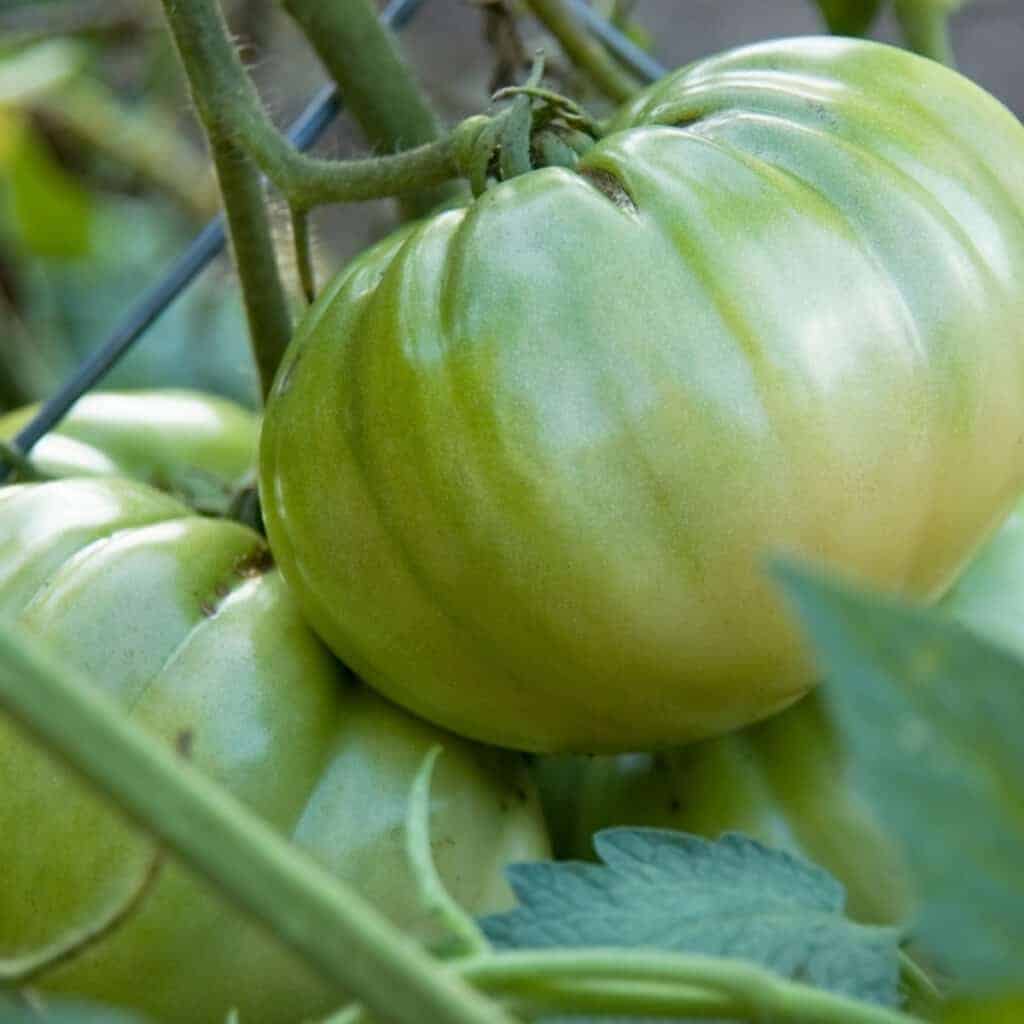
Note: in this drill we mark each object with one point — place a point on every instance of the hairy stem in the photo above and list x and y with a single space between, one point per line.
252 246
327 923
362 56
196 26
584 51
231 105
146 143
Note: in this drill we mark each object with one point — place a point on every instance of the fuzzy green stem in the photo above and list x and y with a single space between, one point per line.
362 56
232 106
252 246
584 50
925 27
328 924
198 25
752 991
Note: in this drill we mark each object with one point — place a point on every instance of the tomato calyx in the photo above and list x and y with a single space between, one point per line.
539 128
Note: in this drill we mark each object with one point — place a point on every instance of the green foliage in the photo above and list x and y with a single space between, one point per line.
672 891
934 718
49 212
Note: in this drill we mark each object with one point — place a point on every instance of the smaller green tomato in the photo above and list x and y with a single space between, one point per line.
184 621
783 782
183 442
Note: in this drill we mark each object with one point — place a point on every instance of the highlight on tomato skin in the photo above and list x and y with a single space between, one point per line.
524 461
186 623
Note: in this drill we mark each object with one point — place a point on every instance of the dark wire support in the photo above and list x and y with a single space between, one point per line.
637 60
210 242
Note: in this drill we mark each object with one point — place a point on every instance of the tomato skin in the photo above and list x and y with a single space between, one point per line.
184 622
162 437
524 462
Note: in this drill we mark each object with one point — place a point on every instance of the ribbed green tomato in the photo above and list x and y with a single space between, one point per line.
183 620
524 462
175 440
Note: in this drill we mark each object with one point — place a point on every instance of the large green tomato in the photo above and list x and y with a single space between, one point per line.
524 462
176 440
183 620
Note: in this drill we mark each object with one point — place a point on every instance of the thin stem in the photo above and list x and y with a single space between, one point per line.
752 990
434 897
303 253
647 999
252 246
925 27
241 189
327 923
917 981
362 56
585 51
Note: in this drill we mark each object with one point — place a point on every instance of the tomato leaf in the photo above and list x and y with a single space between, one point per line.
734 897
934 717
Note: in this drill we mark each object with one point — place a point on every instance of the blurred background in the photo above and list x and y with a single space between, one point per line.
103 178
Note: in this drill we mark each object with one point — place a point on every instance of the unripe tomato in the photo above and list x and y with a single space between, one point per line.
184 621
783 781
175 440
524 462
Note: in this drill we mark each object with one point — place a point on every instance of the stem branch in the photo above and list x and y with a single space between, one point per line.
362 56
230 108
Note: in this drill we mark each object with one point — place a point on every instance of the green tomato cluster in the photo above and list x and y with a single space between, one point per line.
185 622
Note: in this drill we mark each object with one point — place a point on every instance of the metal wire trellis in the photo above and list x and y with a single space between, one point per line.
303 133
